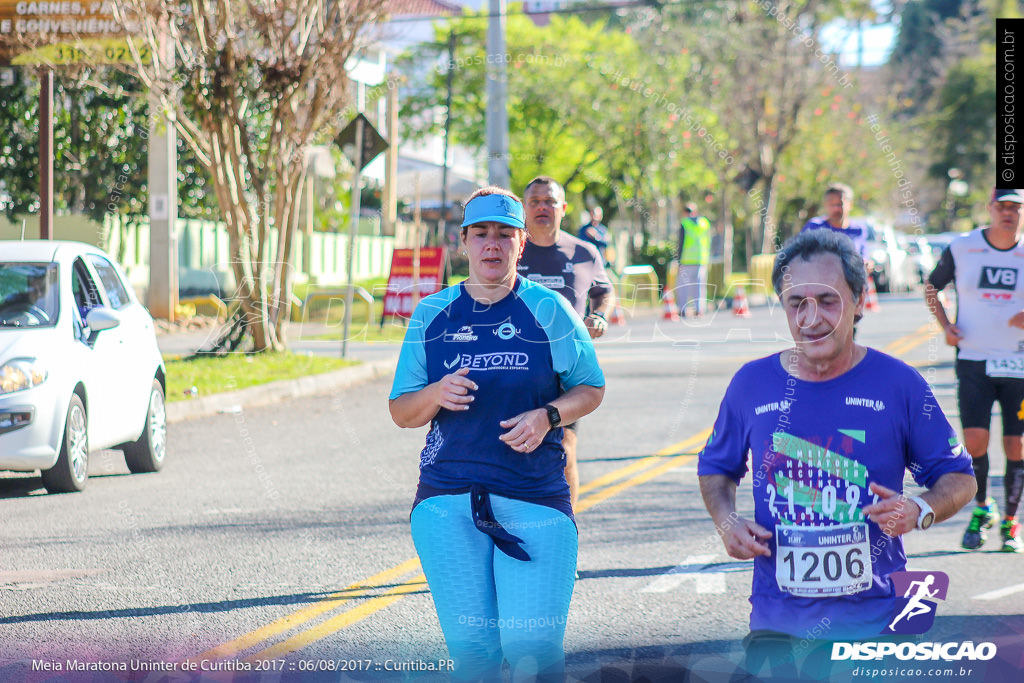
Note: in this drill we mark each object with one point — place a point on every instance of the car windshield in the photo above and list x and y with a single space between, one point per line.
28 295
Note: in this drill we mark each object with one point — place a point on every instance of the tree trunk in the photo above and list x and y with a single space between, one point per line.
727 238
767 215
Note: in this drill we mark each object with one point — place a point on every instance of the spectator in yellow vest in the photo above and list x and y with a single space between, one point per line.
693 254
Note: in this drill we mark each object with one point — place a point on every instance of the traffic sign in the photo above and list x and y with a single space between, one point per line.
373 142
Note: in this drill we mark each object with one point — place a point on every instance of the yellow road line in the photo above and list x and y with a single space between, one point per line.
310 636
355 591
912 340
606 479
642 477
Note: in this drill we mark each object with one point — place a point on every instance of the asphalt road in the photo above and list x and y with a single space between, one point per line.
278 537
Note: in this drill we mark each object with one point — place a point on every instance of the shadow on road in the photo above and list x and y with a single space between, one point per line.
202 607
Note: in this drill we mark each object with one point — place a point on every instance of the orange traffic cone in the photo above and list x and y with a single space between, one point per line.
740 307
668 311
871 304
618 317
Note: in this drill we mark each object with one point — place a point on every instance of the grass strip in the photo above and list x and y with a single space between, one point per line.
239 370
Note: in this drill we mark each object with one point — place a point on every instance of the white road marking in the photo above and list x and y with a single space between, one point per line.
1001 593
692 569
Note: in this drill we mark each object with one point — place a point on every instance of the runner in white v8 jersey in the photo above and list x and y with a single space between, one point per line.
987 268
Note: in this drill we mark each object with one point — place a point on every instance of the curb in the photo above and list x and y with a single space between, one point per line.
274 392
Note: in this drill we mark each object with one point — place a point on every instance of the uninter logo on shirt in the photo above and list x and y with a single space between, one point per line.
774 405
877 406
490 361
464 334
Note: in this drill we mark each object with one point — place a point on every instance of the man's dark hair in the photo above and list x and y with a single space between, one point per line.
811 243
845 191
546 180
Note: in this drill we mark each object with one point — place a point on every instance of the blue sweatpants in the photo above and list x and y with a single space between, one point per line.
492 606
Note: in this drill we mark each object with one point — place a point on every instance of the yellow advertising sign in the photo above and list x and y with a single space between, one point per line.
62 32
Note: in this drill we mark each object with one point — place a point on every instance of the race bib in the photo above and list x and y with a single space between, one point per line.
1005 367
823 561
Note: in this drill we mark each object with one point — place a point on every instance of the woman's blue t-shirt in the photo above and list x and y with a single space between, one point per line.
523 352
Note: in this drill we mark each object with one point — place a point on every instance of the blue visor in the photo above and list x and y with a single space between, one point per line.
494 208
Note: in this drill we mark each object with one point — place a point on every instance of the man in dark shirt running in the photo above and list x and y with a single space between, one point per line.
571 267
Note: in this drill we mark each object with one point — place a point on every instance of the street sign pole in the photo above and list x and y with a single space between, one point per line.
353 230
361 143
45 153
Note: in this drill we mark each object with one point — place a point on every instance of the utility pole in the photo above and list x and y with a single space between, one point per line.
389 203
443 221
162 169
497 89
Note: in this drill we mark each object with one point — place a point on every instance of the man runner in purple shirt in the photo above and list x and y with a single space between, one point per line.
828 446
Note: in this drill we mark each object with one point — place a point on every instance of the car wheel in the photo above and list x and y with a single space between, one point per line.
147 454
72 469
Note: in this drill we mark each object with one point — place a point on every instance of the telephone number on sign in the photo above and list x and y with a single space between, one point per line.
111 54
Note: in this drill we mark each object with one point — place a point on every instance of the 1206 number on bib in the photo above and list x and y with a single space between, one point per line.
823 561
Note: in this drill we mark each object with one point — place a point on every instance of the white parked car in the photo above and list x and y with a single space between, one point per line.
888 258
920 261
79 365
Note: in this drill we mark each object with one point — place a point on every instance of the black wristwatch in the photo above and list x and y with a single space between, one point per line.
554 417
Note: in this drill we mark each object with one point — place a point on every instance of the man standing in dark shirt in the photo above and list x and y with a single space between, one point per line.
597 233
571 267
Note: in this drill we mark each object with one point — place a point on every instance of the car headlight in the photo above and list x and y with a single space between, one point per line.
19 374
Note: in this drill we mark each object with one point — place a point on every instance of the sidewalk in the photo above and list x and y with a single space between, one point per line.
377 359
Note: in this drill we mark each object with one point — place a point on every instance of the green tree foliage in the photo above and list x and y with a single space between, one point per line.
696 99
586 106
917 55
555 91
965 131
19 149
943 71
99 154
100 130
